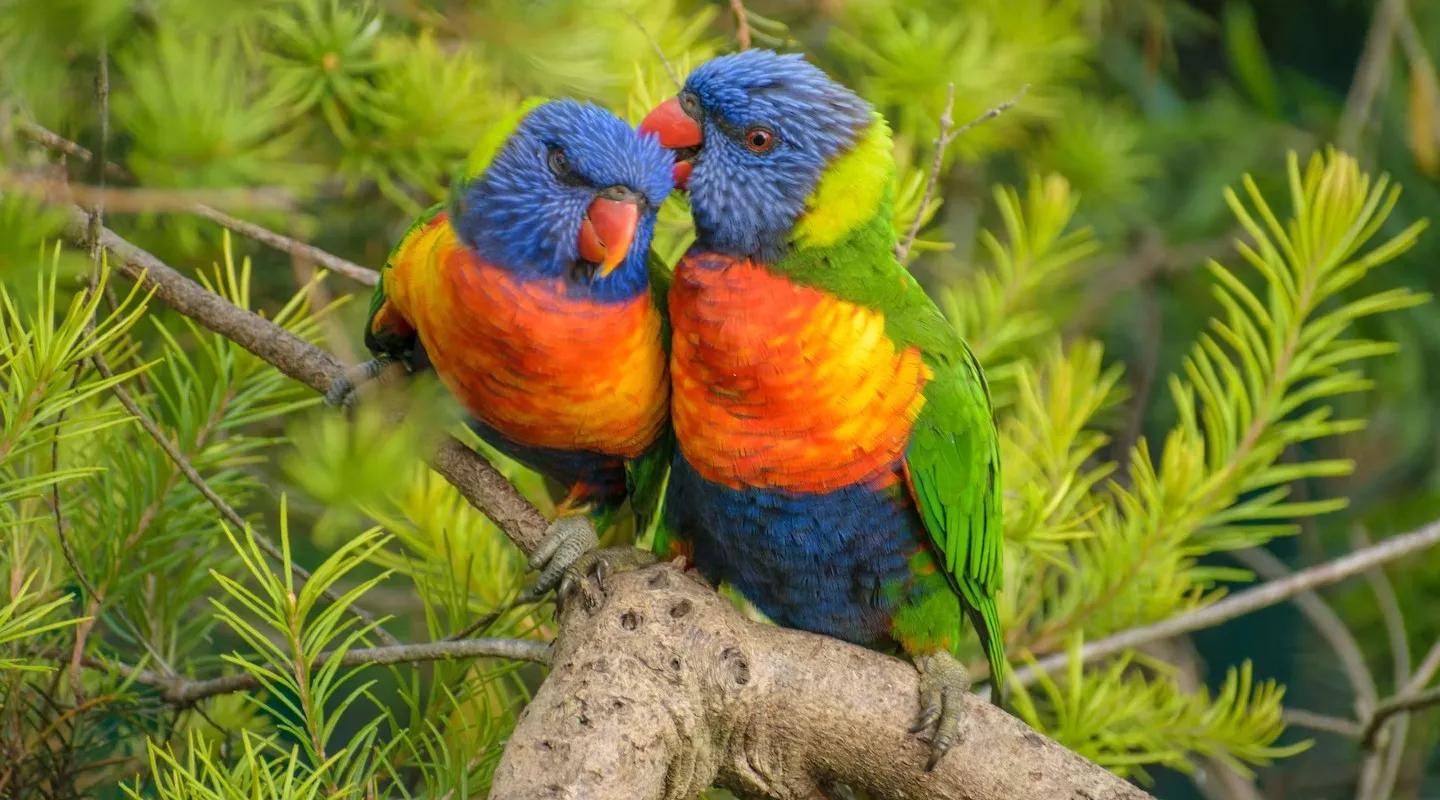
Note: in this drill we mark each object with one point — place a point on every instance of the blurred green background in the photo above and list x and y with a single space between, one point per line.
1149 108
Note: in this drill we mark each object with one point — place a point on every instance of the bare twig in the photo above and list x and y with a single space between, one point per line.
1322 722
1427 669
942 142
285 244
1370 73
1329 625
1241 603
742 24
136 201
1397 705
1380 770
294 247
654 45
185 692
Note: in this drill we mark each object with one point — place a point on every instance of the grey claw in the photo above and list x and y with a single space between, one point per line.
944 682
568 539
342 391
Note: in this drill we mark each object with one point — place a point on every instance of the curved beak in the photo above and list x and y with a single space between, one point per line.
607 231
677 131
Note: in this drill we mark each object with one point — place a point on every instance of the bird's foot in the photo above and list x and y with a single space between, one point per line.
603 563
569 537
944 682
342 391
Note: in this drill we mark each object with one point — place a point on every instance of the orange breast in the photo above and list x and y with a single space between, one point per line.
544 368
782 386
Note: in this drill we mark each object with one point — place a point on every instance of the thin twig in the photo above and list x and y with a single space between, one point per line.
654 45
186 692
139 201
1241 603
183 464
54 141
1396 705
1381 770
1329 625
1370 73
1322 722
942 143
1427 669
742 24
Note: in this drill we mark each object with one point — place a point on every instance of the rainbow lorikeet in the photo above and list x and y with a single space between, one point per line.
528 293
837 458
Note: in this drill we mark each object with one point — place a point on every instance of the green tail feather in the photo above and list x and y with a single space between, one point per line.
985 616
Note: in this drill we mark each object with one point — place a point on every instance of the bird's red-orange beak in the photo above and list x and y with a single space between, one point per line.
607 231
677 131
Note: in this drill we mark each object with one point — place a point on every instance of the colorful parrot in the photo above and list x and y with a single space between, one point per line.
837 457
528 293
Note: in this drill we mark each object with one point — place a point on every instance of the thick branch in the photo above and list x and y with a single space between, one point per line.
659 688
184 691
469 472
1242 603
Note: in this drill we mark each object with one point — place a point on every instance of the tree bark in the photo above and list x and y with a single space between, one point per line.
660 688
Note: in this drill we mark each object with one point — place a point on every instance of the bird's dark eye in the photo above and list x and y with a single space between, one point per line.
559 164
691 104
759 139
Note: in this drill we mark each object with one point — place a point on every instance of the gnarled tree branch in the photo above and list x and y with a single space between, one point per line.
659 688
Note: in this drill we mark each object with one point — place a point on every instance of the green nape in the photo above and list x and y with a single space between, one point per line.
487 147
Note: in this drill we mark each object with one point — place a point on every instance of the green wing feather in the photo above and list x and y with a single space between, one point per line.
954 471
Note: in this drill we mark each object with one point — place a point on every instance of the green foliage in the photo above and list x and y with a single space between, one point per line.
1126 720
23 618
1120 501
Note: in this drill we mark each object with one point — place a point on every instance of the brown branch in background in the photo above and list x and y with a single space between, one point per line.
229 513
183 692
1329 625
942 143
138 201
1322 722
1370 73
1379 771
742 24
479 482
295 247
51 140
1397 705
659 687
659 53
1241 603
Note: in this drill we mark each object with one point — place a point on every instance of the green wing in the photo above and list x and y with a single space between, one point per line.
646 476
953 466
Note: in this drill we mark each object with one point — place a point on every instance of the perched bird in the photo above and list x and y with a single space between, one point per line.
837 457
528 293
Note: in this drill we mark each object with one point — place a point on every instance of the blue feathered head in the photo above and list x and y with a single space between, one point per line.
567 190
752 133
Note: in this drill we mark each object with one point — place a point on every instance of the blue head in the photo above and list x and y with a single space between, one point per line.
752 133
571 194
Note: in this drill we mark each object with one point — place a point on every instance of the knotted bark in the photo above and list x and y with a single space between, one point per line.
660 688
